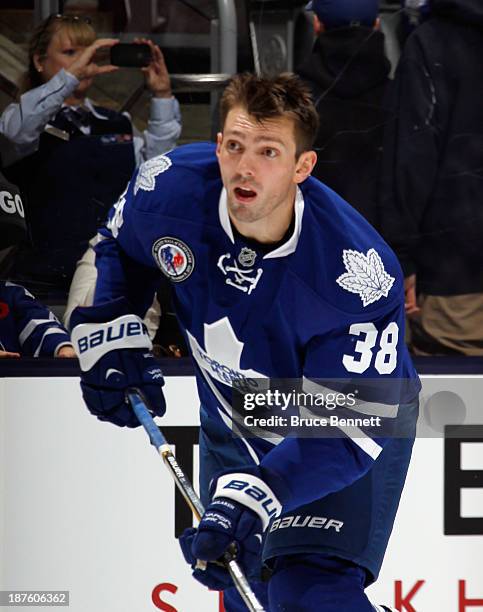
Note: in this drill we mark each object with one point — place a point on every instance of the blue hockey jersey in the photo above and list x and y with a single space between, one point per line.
27 326
328 303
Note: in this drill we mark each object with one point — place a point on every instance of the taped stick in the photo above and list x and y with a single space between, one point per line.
157 439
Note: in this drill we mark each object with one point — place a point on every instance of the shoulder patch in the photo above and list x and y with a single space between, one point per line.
174 258
149 170
365 275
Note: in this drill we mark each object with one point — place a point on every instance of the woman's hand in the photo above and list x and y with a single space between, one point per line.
83 67
156 74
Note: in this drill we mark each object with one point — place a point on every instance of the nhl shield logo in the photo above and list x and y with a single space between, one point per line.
174 258
246 257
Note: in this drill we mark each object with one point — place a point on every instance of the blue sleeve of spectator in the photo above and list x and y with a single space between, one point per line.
39 332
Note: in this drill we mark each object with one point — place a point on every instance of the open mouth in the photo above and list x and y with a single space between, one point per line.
245 195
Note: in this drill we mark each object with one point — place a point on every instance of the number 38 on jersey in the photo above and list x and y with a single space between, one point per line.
373 348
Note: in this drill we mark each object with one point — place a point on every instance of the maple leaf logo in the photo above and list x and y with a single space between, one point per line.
146 178
365 275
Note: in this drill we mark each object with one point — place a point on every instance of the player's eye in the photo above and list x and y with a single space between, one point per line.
69 52
232 145
270 153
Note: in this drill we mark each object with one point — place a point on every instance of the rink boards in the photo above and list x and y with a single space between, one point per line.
89 508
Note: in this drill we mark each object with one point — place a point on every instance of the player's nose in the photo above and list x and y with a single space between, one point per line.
246 165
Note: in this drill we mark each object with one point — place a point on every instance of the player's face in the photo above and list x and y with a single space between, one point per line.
61 53
260 173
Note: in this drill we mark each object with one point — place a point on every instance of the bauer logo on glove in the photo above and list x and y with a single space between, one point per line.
119 329
127 331
114 354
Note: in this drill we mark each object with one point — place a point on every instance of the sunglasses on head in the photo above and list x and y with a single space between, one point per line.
71 18
66 18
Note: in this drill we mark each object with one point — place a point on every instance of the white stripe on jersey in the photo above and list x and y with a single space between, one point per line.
373 449
48 332
31 325
388 411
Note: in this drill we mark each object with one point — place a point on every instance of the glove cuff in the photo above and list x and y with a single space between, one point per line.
250 491
100 313
93 340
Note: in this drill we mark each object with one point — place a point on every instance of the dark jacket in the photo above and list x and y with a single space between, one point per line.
431 208
348 74
69 186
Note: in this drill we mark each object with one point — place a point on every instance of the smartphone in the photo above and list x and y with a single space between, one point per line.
130 55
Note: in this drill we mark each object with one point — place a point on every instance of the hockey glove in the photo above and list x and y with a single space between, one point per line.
114 353
239 513
223 522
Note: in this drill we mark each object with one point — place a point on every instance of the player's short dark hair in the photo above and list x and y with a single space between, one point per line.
285 95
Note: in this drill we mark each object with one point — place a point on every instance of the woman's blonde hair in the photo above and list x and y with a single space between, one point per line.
79 30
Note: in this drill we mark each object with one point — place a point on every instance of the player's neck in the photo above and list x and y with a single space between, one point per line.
270 229
267 247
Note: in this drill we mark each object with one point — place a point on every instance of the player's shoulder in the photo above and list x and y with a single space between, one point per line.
177 179
342 257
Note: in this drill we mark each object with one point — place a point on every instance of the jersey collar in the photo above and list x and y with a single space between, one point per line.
288 247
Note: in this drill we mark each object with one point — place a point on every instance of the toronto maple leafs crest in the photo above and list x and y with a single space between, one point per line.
365 275
222 354
146 178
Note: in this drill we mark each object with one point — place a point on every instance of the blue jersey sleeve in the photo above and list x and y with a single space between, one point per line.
124 265
35 331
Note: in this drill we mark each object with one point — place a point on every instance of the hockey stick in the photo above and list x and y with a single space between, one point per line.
158 440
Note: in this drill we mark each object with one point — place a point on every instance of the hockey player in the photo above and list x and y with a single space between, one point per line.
274 276
28 328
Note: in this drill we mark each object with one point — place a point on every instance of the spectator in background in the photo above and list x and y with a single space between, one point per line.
27 328
348 74
431 202
415 12
13 229
71 158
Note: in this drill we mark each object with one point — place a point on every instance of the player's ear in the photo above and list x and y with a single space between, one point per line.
305 165
219 140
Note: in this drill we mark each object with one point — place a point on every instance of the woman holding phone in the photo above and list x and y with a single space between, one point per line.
70 157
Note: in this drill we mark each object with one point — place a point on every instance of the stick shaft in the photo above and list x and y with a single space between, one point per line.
158 440
183 484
